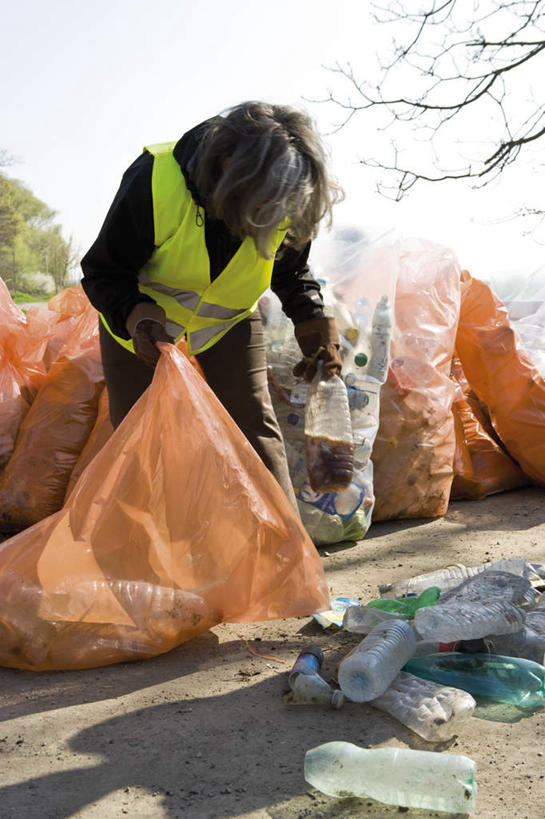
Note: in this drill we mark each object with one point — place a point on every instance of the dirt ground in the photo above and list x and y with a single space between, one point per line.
204 732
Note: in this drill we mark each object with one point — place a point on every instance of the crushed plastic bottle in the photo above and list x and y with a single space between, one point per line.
434 712
495 677
381 333
329 443
307 686
460 620
396 776
367 671
525 643
492 584
451 577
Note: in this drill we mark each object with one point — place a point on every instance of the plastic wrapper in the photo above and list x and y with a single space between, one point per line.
501 373
54 432
414 450
175 526
481 467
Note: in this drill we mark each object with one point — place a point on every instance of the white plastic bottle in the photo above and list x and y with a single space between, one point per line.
396 776
381 333
368 670
457 620
434 712
329 443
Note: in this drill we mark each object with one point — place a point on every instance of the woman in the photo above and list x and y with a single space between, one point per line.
198 230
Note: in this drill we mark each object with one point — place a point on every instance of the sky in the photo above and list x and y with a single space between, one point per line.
85 85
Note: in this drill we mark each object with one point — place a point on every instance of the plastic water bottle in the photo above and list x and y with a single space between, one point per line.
459 621
381 333
492 584
329 444
503 679
396 776
367 671
525 643
307 686
361 619
451 577
434 712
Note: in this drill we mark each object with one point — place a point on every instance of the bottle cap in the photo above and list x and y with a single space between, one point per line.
315 650
360 359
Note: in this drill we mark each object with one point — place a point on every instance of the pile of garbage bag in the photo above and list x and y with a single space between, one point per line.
458 413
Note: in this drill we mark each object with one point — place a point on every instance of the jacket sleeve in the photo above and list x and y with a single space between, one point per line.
124 244
296 287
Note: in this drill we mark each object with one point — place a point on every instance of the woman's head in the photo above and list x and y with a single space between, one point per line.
261 164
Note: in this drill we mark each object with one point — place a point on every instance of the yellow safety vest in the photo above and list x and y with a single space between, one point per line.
177 276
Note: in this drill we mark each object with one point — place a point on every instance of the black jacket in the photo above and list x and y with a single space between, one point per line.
126 242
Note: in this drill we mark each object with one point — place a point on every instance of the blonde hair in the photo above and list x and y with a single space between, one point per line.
261 165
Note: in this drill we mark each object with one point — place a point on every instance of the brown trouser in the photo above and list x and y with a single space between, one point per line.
235 368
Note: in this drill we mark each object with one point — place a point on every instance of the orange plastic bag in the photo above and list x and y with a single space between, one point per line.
414 448
21 370
175 526
101 433
481 467
60 318
54 431
502 375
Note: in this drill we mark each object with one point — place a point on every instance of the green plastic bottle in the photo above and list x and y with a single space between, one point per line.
502 679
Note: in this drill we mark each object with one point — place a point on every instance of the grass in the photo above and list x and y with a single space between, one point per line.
22 298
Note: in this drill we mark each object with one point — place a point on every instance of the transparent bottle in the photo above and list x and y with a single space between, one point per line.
306 684
362 619
492 584
381 333
451 577
368 670
329 444
467 621
502 679
396 776
525 643
434 712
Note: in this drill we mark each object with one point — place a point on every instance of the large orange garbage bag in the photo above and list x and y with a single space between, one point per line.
502 375
101 432
414 448
21 369
481 467
60 317
175 526
54 431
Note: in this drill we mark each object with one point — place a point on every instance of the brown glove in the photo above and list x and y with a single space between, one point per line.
319 341
146 326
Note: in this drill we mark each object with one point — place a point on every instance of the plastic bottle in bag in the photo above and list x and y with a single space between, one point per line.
368 671
381 333
502 679
396 776
329 444
434 712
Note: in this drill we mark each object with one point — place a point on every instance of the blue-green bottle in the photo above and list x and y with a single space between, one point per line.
502 679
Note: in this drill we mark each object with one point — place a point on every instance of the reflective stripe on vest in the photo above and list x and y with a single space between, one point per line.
177 276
